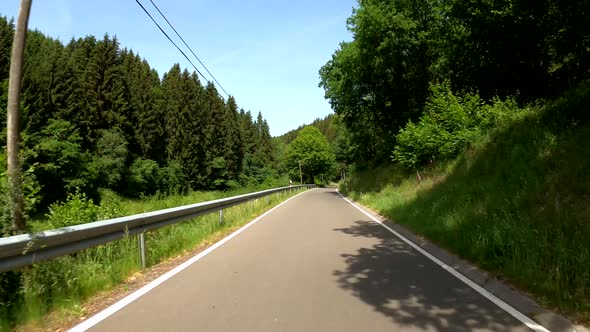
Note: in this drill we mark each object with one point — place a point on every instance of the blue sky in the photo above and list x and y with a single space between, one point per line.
266 53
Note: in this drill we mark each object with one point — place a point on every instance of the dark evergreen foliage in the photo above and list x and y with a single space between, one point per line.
96 115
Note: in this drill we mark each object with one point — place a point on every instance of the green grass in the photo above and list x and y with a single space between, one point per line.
63 284
517 203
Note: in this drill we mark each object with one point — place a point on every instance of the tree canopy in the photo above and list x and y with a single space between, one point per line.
312 150
382 79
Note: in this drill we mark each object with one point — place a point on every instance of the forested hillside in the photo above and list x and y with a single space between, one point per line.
96 115
468 122
327 126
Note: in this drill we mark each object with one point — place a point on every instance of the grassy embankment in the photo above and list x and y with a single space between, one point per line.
516 203
62 285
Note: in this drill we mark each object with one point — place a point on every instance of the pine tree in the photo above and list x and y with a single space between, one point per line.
234 147
143 86
105 90
182 98
6 36
42 85
217 133
76 56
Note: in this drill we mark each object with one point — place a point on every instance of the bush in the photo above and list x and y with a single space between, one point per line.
172 178
59 160
144 178
449 124
148 178
110 205
77 209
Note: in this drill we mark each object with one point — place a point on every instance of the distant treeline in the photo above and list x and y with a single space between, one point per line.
326 126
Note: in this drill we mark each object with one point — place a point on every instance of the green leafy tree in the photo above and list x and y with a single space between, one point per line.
313 151
380 80
61 164
110 158
144 178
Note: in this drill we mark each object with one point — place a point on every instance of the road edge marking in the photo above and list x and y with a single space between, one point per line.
530 323
110 310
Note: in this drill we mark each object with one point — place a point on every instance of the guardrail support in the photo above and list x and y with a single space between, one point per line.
141 240
220 216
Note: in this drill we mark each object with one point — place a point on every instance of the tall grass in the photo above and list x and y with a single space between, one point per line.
63 284
516 203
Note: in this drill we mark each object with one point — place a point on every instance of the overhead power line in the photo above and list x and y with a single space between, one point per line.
190 49
170 39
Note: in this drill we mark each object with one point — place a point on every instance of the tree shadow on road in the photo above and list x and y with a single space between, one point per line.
411 290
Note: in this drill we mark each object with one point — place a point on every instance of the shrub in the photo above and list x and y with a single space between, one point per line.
59 161
110 205
77 209
172 178
148 178
449 124
144 178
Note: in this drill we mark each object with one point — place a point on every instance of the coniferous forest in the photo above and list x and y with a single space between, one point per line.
97 115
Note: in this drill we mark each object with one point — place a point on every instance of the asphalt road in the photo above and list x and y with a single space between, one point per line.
314 264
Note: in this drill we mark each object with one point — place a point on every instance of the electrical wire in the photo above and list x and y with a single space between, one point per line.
190 49
170 39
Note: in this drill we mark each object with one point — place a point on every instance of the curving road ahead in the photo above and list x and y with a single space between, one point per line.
316 263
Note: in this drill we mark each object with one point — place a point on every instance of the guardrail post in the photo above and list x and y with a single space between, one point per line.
220 216
141 240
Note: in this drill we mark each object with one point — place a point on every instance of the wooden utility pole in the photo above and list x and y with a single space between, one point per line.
13 118
300 174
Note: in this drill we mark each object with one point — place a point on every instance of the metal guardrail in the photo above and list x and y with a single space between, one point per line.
27 249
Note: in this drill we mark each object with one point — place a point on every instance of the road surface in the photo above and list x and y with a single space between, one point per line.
314 264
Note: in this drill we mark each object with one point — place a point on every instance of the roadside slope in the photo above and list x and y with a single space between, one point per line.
515 204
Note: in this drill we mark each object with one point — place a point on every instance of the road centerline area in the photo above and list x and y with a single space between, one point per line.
314 264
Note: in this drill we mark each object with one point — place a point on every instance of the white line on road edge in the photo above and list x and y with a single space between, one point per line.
85 325
497 301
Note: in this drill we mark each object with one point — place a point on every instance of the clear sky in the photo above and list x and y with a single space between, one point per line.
266 53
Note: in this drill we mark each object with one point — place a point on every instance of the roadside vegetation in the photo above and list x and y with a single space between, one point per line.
515 201
63 284
467 121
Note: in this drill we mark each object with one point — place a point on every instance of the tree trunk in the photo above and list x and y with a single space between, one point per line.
13 118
